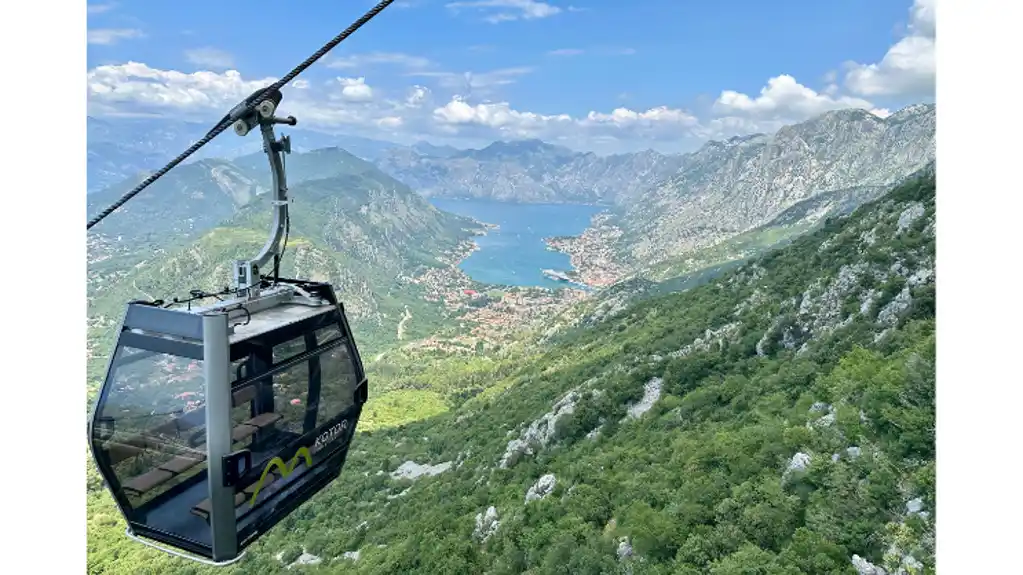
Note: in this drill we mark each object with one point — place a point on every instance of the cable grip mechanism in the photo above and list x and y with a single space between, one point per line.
247 273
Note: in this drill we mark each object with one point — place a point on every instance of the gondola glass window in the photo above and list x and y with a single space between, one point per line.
151 429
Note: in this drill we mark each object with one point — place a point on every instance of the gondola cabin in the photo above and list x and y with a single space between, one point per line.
213 424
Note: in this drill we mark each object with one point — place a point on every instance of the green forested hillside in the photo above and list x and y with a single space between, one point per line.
778 420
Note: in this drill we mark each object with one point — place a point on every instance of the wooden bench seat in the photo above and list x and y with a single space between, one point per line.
147 481
243 432
240 497
118 452
182 463
264 419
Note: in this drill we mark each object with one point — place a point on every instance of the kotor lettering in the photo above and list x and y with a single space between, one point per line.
330 435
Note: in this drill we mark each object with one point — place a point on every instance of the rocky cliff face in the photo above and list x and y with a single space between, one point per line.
729 187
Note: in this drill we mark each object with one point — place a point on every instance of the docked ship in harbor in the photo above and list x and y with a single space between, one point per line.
563 277
557 276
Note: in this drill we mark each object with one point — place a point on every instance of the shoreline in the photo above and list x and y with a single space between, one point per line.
590 253
488 313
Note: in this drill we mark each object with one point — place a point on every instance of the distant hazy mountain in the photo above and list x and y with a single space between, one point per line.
519 171
840 147
121 148
528 171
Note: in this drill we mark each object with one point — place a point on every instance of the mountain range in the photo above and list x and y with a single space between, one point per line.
851 141
530 171
730 187
667 215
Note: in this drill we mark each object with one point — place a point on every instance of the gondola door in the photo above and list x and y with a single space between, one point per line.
298 393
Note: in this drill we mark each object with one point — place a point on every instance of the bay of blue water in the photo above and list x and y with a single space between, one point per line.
515 254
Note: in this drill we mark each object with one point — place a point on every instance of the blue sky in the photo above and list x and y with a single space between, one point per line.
590 74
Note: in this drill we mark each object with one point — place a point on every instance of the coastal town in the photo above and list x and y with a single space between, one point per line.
491 315
591 253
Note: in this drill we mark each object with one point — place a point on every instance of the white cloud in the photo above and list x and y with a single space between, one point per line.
346 103
508 10
352 106
417 96
503 121
135 87
498 115
626 117
922 19
108 36
781 102
355 89
210 57
390 122
393 58
908 68
100 8
784 98
566 52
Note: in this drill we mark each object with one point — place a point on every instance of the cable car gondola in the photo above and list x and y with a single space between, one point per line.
215 422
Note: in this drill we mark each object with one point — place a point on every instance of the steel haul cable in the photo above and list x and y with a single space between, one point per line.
241 110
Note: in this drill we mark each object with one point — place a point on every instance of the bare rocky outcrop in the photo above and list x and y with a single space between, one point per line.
305 558
864 567
710 337
542 488
651 393
540 432
824 416
799 462
890 313
486 525
413 470
909 215
624 550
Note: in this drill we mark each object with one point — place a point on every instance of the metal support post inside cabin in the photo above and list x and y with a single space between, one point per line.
216 367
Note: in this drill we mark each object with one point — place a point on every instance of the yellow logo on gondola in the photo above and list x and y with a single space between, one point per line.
285 469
